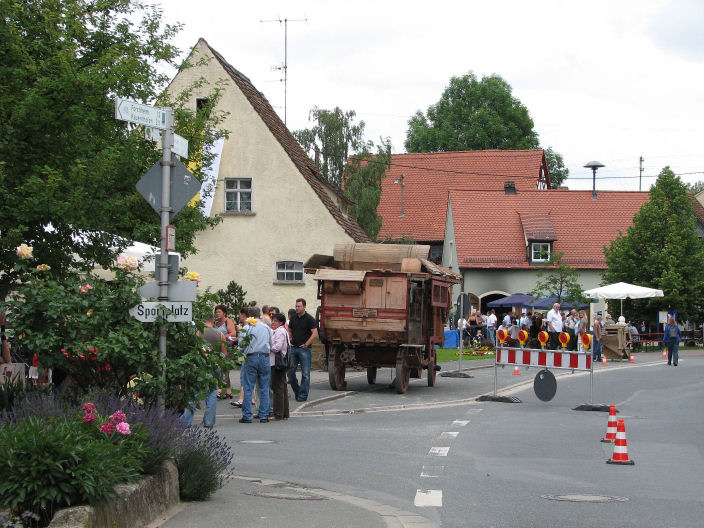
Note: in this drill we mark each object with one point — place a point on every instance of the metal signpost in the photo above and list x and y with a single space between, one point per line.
156 188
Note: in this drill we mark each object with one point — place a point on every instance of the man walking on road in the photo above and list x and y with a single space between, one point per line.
553 320
304 330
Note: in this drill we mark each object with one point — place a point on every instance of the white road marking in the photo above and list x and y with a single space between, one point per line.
449 434
425 498
461 423
438 451
432 471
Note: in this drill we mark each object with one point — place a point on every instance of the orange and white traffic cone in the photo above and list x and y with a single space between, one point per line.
611 426
603 360
620 455
516 372
664 353
633 358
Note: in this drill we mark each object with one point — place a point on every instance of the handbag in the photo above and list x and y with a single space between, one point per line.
283 362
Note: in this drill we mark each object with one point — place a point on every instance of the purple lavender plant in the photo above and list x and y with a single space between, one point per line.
204 463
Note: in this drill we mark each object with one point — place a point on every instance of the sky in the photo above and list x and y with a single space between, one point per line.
608 81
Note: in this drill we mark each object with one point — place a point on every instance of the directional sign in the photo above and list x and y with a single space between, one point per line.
140 114
180 146
175 312
184 186
178 291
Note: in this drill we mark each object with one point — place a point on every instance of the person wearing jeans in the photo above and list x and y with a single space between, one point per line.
304 330
211 401
671 339
256 367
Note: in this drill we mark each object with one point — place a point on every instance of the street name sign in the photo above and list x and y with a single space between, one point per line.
180 146
174 312
184 186
140 114
182 291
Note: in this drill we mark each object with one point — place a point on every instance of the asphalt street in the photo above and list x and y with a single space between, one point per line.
437 457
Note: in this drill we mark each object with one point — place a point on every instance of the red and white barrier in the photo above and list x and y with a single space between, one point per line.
531 357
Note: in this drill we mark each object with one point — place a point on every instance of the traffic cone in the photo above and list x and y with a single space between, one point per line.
603 360
620 455
633 358
611 426
664 353
516 372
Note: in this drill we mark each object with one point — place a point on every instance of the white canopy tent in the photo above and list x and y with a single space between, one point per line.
623 290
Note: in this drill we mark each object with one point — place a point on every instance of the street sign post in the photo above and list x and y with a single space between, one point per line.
141 114
172 275
174 312
181 291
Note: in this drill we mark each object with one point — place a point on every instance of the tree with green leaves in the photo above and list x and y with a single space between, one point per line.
662 249
364 175
559 279
65 160
478 114
333 137
556 168
696 187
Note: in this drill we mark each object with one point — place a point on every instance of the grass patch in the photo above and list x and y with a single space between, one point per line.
451 354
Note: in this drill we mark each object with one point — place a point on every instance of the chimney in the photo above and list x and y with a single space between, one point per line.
510 187
317 156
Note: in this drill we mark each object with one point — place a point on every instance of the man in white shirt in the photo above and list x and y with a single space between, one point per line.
553 321
491 326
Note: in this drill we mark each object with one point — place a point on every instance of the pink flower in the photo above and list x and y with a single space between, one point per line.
88 408
118 417
89 418
123 428
85 288
107 428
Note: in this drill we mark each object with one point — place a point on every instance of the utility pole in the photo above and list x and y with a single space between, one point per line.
640 177
285 22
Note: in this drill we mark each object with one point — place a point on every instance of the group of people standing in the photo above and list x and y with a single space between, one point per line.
260 335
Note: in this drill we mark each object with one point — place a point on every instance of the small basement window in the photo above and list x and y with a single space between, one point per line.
289 271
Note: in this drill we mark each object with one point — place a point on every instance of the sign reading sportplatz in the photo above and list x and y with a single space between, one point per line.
174 312
140 114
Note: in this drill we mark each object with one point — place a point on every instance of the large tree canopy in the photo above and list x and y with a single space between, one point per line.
662 250
64 158
475 114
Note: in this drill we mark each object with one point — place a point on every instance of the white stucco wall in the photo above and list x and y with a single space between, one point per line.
288 220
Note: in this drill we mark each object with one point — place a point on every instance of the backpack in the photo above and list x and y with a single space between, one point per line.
672 332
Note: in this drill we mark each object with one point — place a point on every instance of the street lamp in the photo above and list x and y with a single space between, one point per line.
593 165
400 180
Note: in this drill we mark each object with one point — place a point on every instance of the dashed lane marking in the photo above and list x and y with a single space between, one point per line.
438 451
461 423
432 471
449 434
428 498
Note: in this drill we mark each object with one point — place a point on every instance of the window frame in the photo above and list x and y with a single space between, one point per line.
533 248
298 268
238 191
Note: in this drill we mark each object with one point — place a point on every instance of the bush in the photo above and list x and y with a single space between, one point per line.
49 464
203 462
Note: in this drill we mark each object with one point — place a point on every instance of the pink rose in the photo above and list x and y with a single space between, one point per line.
118 417
88 408
123 428
107 428
89 418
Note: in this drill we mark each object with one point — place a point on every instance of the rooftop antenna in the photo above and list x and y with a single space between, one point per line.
285 22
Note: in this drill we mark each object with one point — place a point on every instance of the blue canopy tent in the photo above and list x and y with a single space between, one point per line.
545 303
517 299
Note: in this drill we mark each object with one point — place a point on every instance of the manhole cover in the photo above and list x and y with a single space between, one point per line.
585 498
256 442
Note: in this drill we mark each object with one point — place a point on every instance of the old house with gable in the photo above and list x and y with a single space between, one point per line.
277 208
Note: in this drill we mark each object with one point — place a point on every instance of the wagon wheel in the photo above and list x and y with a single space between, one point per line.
432 372
403 375
336 369
371 375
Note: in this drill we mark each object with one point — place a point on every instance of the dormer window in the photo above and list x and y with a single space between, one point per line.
540 251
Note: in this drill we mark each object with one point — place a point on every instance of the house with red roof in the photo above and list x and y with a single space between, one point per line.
414 192
519 232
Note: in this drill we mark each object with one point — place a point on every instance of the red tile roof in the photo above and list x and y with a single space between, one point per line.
429 176
298 156
582 226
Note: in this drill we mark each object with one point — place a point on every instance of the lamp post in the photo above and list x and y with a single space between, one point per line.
400 181
593 165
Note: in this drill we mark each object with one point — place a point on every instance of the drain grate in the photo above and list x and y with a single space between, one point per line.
585 498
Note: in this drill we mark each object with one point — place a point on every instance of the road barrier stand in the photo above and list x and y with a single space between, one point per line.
620 455
545 385
611 426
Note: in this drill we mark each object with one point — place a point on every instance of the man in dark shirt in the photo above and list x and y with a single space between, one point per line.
304 330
